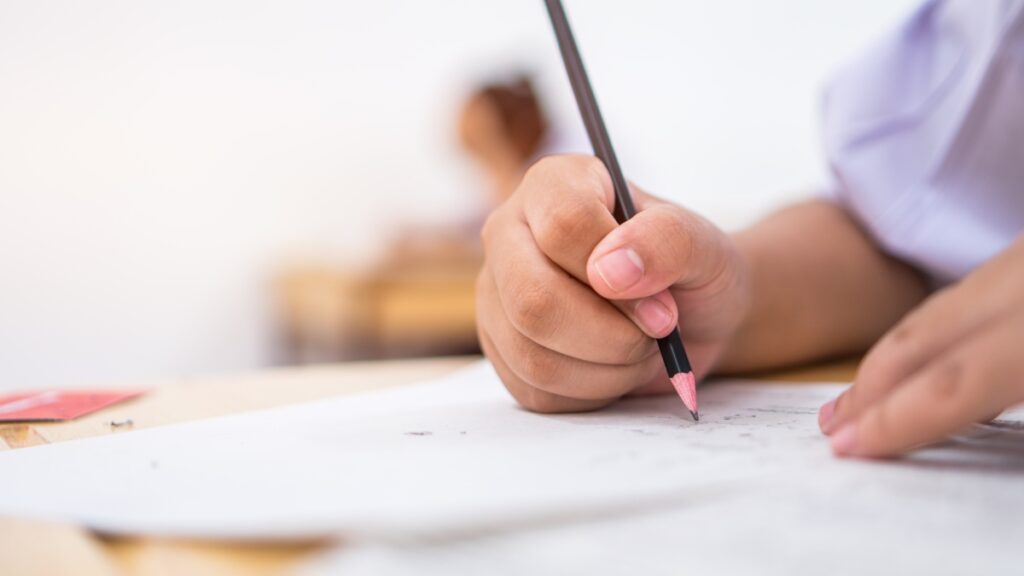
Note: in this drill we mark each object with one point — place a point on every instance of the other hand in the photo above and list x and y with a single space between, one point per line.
955 360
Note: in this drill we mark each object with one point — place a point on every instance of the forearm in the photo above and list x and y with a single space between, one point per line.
819 288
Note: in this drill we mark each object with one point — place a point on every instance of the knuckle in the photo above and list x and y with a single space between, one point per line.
569 172
948 382
922 322
533 310
592 172
547 170
537 365
569 220
673 232
902 334
546 165
901 345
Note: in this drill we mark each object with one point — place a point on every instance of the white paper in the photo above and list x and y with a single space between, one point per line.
415 473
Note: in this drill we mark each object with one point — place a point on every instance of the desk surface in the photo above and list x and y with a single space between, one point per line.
29 547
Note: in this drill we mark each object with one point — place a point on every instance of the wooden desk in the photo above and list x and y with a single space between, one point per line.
30 547
396 309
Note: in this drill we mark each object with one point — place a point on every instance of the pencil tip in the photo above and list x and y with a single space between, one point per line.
696 416
686 386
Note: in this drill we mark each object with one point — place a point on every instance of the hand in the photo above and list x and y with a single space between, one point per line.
568 302
955 360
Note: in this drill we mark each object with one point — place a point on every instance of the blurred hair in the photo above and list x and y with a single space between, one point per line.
520 112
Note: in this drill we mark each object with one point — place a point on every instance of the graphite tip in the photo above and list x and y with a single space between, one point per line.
686 386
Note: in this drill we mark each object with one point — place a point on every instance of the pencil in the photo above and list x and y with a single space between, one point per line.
677 365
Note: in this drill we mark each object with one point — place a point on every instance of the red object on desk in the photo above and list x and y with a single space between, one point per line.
56 406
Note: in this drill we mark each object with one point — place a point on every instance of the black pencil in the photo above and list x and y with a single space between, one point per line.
677 365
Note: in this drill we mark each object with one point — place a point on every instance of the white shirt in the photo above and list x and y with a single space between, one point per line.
925 135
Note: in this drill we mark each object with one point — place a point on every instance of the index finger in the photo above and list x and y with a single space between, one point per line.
567 202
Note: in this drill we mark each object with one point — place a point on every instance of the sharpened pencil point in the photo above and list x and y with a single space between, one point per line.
686 386
696 416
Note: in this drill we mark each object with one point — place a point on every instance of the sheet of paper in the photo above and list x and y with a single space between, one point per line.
418 470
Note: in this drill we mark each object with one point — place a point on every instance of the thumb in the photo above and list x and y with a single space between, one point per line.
662 246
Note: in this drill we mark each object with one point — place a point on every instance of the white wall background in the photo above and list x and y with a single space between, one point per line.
159 159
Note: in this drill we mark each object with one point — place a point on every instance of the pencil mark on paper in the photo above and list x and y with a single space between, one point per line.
794 410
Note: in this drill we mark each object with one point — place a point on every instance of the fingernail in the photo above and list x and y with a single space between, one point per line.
825 414
654 316
844 442
620 269
830 423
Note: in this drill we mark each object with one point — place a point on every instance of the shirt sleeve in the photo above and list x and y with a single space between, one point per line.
923 135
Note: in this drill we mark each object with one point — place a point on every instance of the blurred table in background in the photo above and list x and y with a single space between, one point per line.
403 307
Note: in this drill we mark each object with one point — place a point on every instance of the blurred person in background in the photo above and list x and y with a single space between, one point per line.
503 129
